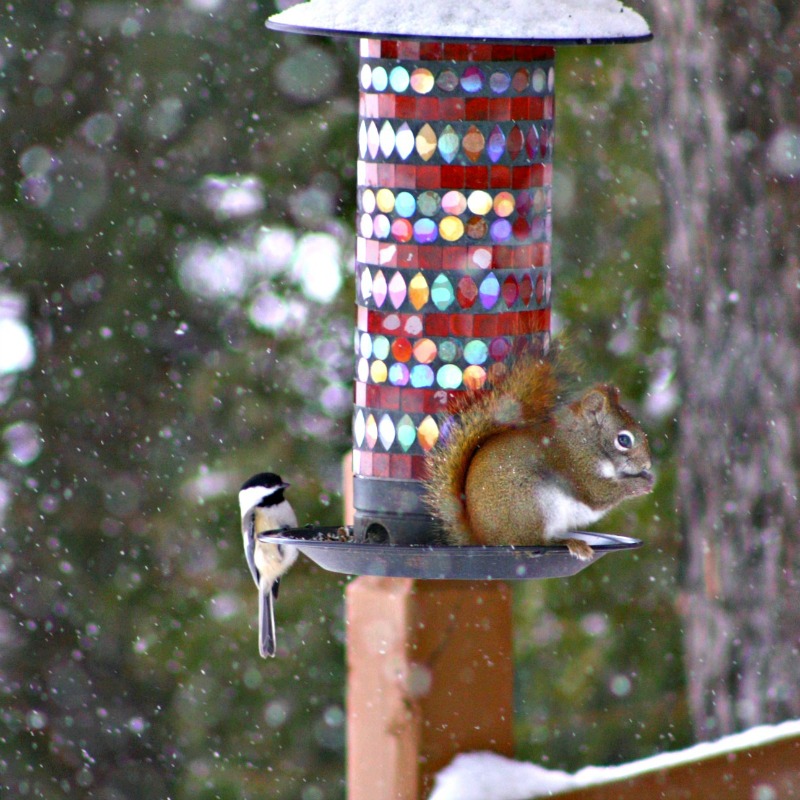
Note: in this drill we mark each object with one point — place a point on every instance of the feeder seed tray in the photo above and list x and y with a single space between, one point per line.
333 550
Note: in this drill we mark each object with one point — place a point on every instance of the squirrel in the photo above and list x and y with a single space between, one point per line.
531 459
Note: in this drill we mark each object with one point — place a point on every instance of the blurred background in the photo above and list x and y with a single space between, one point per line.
177 190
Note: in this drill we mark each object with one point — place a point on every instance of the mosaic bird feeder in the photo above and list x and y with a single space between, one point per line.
453 233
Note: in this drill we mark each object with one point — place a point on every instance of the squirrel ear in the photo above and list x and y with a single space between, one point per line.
598 400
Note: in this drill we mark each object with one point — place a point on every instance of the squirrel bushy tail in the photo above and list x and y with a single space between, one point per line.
528 395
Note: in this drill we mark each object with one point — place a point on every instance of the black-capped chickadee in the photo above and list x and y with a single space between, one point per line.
264 509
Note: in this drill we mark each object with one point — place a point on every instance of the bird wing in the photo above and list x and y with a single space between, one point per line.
249 536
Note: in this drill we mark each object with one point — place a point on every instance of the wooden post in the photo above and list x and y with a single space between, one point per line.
430 675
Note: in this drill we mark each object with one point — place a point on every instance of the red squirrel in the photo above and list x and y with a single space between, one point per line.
529 460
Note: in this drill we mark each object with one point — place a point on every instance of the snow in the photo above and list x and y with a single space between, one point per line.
518 20
488 776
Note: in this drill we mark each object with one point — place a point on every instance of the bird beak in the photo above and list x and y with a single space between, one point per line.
285 485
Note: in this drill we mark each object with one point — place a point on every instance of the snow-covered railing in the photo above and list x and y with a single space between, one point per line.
759 764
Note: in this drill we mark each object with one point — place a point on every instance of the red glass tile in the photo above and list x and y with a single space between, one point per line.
453 176
430 257
477 108
386 105
500 177
522 256
535 108
523 52
515 140
388 397
362 318
452 108
372 248
360 394
387 255
408 48
540 254
480 52
540 289
519 108
373 395
503 257
434 402
476 255
419 468
371 105
542 53
547 175
412 400
405 176
476 177
405 107
431 50
428 108
499 108
456 51
380 465
361 250
502 52
429 177
487 324
462 324
362 104
400 465
406 255
454 257
549 107
371 171
385 175
437 325
389 48
365 458
521 177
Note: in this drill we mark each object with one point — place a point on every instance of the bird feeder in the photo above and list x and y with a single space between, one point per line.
453 240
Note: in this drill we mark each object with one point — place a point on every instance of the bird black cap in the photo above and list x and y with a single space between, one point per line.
266 479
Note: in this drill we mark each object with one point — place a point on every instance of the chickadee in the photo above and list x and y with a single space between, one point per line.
264 509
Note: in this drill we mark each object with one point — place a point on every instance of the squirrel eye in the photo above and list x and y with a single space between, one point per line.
624 441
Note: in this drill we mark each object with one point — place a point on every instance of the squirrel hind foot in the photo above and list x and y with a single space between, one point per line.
579 549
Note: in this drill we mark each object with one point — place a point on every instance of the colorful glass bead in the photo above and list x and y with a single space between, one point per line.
366 76
526 289
380 80
428 433
406 432
381 227
476 352
428 203
425 351
524 203
371 431
521 228
489 291
442 293
447 80
544 142
504 204
454 203
538 80
496 145
532 143
477 227
368 201
425 231
365 226
402 230
482 258
448 376
519 83
404 204
362 139
499 81
384 199
421 376
378 372
422 80
399 79
466 292
479 202
474 377
451 229
472 79
401 349
413 325
426 142
404 141
397 290
362 370
359 428
380 347
473 143
500 230
540 289
418 291
499 348
386 432
448 143
398 375
449 350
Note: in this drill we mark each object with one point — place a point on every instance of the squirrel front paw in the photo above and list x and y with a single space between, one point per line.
579 549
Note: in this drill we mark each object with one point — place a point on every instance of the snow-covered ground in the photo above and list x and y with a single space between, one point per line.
488 776
501 19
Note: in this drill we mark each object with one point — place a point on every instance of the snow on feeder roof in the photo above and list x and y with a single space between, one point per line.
534 21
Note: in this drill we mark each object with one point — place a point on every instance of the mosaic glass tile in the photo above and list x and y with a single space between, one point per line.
386 431
474 377
402 230
476 352
404 141
489 291
380 347
406 432
405 204
381 227
371 432
373 139
515 142
418 291
428 433
399 79
504 204
526 289
466 292
422 80
472 79
448 143
538 80
397 290
365 226
442 292
398 374
449 376
477 227
425 231
368 201
479 202
451 229
473 143
421 376
359 428
428 203
449 350
386 139
425 351
496 144
401 349
362 369
454 202
500 230
378 372
383 200
519 83
426 142
499 348
447 80
509 291
499 81
532 143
